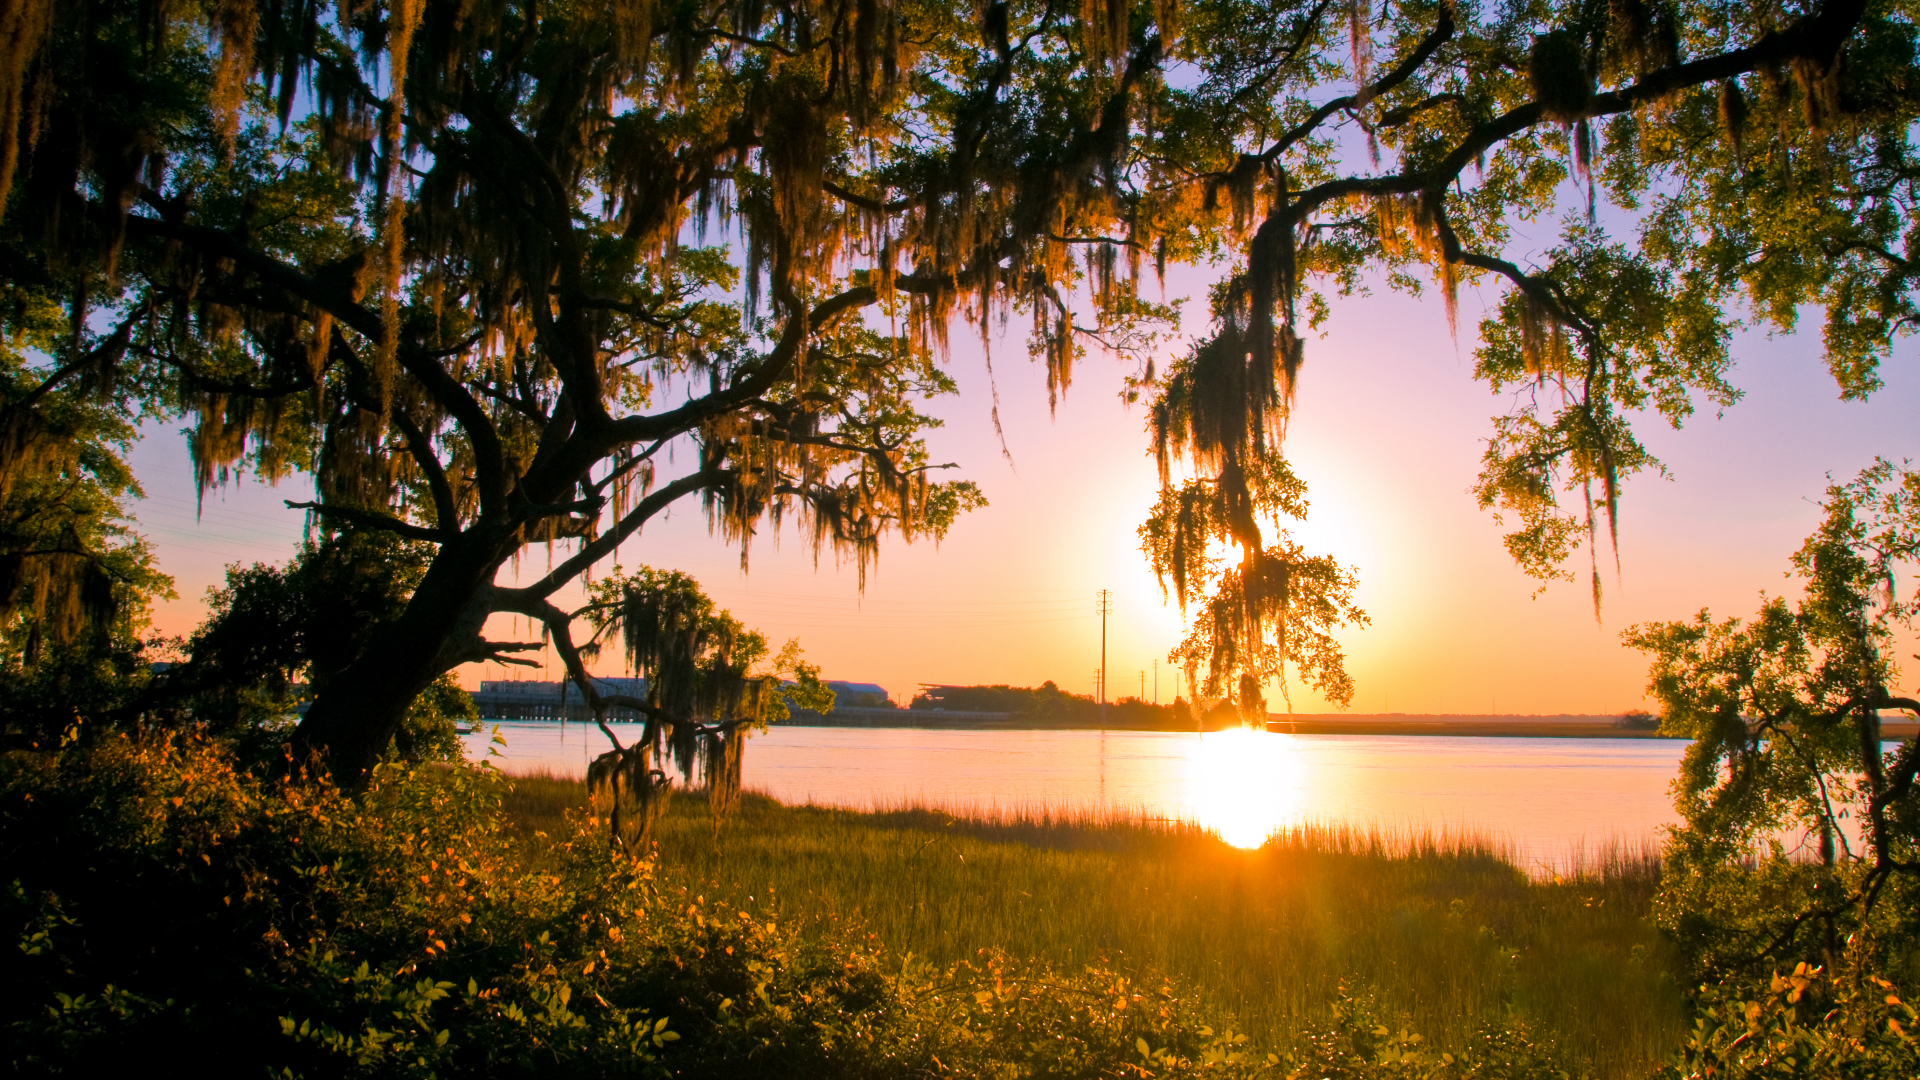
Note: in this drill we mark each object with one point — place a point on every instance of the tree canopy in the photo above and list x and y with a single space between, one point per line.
1762 154
75 578
1784 711
474 266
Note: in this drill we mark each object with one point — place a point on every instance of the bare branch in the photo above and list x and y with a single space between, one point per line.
1442 31
107 351
446 515
606 542
369 519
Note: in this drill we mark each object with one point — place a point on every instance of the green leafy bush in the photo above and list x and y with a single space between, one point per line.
1853 1026
168 906
1800 820
1363 1043
430 731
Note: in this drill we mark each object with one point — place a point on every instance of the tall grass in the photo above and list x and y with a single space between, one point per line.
1444 927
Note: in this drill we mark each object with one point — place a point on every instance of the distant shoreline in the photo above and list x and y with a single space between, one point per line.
1528 727
1551 726
1514 727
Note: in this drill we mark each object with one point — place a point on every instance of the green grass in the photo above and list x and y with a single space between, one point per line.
1444 928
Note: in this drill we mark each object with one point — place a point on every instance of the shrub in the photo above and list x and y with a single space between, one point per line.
1806 1023
171 907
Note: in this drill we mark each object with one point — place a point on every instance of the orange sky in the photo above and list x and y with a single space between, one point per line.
1387 435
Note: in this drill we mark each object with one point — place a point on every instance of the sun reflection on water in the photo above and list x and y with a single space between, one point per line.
1245 784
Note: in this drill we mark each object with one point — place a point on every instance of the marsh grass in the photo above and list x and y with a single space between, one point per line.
1443 927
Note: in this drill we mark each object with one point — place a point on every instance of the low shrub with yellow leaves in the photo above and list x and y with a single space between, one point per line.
171 909
1847 1025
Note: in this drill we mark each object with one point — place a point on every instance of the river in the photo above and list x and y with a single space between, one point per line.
1546 799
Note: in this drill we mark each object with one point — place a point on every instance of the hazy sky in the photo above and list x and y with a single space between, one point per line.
1387 434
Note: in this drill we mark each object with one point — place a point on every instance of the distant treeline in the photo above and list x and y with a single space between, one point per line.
1050 703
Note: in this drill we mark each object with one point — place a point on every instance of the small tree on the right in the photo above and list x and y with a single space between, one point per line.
1800 839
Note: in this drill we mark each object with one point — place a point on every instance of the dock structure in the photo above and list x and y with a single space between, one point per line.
895 718
531 699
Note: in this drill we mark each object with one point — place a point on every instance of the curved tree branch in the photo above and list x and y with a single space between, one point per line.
369 519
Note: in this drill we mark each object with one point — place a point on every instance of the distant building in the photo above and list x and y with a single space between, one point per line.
859 695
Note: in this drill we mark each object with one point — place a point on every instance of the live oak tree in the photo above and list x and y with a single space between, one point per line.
454 258
1762 154
448 258
74 578
276 634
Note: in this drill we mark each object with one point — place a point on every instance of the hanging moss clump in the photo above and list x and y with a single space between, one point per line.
1557 70
1733 115
627 791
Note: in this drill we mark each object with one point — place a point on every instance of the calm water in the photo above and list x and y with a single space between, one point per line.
1546 797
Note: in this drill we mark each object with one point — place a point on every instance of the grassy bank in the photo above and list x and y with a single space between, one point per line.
1443 928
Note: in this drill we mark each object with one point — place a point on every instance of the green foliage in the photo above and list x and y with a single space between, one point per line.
1806 1023
1442 933
1764 159
274 626
701 663
801 686
1800 823
468 281
430 732
1666 344
75 579
1278 606
354 281
276 636
1360 1044
87 680
702 666
695 657
285 928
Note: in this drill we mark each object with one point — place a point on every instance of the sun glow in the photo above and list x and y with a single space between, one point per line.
1245 784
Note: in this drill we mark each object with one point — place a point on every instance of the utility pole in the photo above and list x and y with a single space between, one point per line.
1105 606
1143 684
1156 681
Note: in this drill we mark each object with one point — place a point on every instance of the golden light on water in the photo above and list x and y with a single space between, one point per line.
1245 784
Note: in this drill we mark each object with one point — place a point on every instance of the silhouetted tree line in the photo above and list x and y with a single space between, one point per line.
1048 703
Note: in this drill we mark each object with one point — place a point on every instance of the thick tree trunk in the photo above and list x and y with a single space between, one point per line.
352 723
